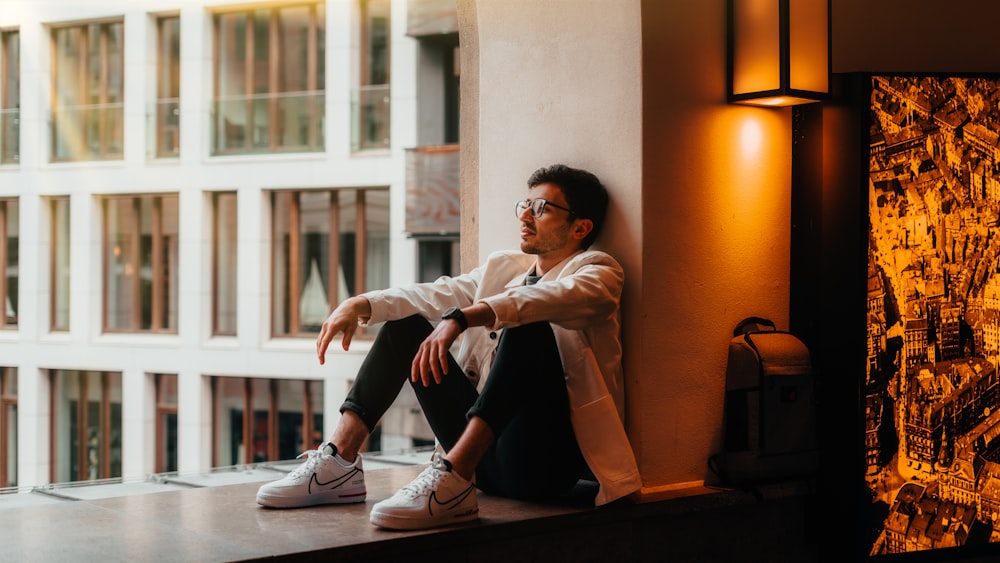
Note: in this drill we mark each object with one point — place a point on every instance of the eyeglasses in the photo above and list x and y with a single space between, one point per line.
537 206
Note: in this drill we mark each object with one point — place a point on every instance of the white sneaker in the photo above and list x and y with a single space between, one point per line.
324 478
437 497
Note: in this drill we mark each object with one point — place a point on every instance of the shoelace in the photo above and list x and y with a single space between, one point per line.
308 466
424 482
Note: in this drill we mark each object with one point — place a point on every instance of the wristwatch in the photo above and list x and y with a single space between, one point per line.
458 315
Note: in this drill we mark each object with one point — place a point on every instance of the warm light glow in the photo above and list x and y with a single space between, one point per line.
756 47
808 45
776 101
751 138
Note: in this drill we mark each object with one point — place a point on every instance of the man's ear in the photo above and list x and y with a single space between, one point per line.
582 228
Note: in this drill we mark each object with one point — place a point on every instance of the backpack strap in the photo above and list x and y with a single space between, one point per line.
753 324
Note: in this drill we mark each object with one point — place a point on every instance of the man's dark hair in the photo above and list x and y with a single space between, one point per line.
585 194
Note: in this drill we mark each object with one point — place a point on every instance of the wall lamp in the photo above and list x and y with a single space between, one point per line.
778 51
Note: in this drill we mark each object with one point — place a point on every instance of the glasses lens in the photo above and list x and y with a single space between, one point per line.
519 207
538 207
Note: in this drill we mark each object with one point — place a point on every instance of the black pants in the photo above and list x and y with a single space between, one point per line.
524 401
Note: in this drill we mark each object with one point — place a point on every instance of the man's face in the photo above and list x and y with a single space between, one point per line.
549 233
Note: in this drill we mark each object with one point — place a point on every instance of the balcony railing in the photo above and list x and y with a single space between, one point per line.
284 122
370 118
88 132
432 190
10 126
164 128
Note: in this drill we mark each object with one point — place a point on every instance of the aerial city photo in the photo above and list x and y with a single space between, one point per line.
932 400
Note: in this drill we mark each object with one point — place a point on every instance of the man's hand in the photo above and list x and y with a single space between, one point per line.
431 360
343 319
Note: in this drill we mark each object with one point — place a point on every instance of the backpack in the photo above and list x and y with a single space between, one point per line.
769 416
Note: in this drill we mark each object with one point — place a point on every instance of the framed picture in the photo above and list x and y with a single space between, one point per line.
931 388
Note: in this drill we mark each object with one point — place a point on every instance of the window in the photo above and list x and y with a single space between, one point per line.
140 263
9 254
168 86
86 425
88 92
8 427
269 80
371 101
10 96
224 264
166 422
59 272
437 257
304 285
286 419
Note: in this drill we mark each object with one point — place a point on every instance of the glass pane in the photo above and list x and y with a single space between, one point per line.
65 388
316 405
170 220
170 441
377 251
280 262
78 460
167 391
292 399
113 127
261 407
60 264
115 413
69 94
293 69
225 263
11 267
229 418
261 119
122 272
376 35
314 306
231 109
10 46
10 87
10 439
347 205
168 88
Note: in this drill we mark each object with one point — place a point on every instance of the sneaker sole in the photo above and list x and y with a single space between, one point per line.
326 497
397 522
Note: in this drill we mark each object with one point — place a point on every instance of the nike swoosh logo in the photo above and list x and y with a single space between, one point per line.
333 483
449 504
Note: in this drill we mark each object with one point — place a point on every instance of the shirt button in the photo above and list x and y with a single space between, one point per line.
493 336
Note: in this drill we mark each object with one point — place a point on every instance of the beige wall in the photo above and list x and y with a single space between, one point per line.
700 214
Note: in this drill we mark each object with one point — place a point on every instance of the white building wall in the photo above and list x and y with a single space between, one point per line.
192 353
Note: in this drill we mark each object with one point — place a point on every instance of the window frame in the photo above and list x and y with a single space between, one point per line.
10 102
273 399
161 280
168 77
104 470
218 257
369 90
165 408
293 286
106 133
57 243
6 293
315 91
8 400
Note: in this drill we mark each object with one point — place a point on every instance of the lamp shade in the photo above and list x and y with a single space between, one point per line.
779 51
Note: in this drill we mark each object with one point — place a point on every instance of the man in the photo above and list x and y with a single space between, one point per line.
533 397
